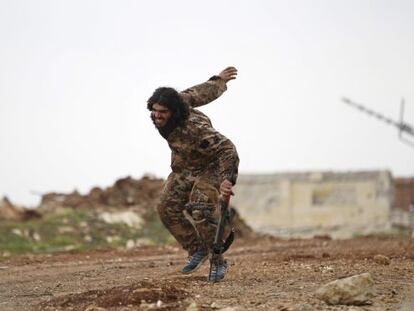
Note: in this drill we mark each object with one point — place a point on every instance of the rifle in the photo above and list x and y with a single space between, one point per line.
220 245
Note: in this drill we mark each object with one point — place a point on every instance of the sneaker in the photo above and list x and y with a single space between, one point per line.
218 271
195 261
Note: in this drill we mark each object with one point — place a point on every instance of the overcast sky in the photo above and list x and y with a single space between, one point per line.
75 77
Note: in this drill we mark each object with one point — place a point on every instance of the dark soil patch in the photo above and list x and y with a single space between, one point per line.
142 293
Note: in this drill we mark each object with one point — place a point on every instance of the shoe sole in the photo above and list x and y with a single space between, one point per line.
197 267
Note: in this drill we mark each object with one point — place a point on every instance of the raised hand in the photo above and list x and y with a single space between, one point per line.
228 74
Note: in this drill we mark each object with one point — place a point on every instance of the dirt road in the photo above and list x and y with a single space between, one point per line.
265 274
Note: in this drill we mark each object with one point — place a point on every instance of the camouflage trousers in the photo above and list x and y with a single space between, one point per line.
183 191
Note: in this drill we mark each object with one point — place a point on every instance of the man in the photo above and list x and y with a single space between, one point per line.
204 166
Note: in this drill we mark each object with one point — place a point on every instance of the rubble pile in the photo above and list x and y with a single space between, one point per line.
9 211
136 195
127 192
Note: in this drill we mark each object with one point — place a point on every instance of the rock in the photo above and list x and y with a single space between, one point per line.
129 218
87 238
354 290
382 260
130 244
112 239
408 304
143 242
304 307
148 306
17 231
66 229
193 307
237 308
9 211
36 236
95 308
68 248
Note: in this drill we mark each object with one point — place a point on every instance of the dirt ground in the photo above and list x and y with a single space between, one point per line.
264 274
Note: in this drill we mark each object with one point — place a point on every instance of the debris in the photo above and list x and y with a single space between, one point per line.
408 304
36 236
88 238
9 211
66 229
193 307
129 218
382 260
68 248
325 255
134 200
327 269
304 307
95 308
143 242
130 244
17 231
354 290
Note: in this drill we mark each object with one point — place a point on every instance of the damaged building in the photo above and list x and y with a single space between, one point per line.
403 205
338 204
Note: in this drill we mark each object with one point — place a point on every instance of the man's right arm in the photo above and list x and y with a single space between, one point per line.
206 92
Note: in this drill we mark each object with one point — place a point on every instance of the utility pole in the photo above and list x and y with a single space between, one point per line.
404 129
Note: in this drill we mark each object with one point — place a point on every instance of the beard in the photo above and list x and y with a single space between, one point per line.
166 130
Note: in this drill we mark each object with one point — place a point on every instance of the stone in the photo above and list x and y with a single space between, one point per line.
129 218
143 242
237 308
354 290
36 236
382 260
408 304
193 307
9 211
95 308
130 244
214 305
304 307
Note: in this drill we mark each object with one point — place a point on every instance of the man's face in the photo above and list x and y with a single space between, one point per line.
160 115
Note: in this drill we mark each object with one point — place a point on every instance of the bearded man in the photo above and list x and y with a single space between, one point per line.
204 167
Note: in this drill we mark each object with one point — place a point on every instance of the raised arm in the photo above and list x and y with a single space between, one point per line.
206 92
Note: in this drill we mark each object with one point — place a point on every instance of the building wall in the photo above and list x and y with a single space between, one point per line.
404 193
403 205
339 204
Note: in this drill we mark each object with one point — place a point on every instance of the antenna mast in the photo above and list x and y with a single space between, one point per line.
404 129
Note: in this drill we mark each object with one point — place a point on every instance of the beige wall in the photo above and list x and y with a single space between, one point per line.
339 204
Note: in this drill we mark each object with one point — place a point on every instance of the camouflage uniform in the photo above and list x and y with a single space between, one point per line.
201 159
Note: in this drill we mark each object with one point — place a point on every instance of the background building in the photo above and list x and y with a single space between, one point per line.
317 203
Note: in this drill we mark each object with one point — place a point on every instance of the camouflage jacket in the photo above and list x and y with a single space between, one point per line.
196 147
